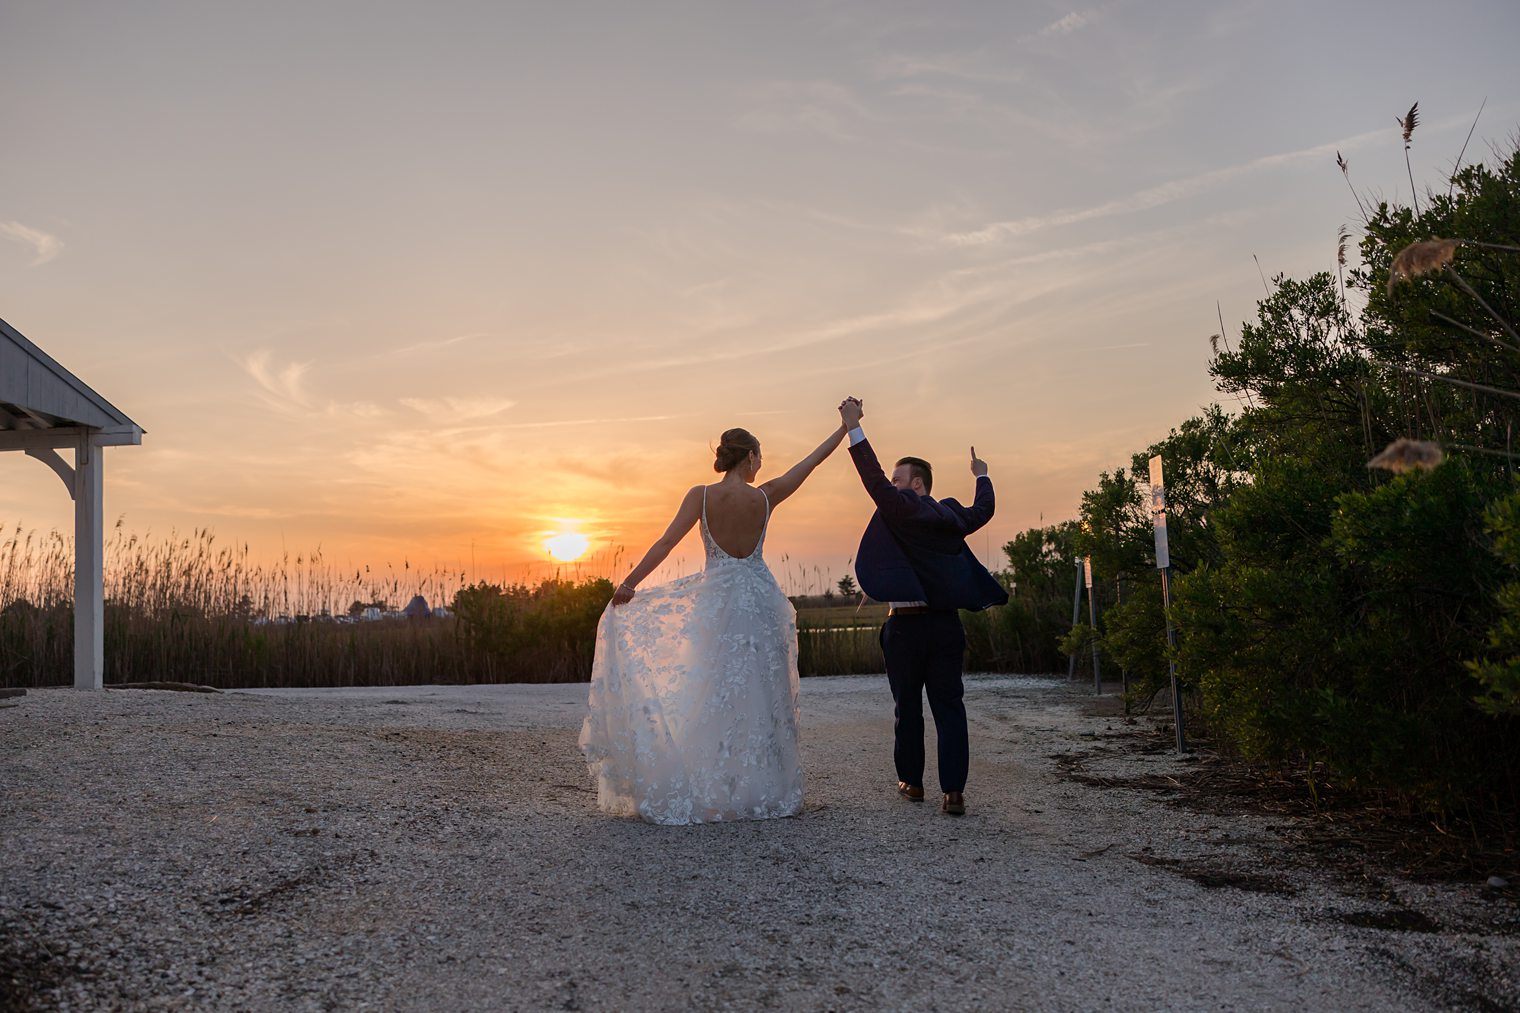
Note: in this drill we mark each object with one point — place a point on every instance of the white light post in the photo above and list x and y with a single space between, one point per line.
1164 564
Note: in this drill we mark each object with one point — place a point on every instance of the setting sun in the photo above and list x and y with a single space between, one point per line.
567 547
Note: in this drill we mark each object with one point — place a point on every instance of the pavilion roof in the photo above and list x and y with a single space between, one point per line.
37 393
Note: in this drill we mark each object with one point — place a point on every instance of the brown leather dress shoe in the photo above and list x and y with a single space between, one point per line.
913 791
954 804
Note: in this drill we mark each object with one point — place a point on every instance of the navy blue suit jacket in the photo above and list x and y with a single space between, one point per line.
915 548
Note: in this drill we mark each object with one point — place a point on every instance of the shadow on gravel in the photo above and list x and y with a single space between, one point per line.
248 899
1396 920
31 969
1215 877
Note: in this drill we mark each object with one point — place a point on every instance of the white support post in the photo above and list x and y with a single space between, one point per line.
89 561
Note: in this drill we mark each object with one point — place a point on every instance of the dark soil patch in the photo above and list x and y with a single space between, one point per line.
31 968
1395 920
1214 877
243 901
172 687
1358 833
247 899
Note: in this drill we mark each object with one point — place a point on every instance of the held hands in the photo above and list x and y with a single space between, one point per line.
978 466
851 410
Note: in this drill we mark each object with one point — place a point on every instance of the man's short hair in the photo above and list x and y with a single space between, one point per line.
918 468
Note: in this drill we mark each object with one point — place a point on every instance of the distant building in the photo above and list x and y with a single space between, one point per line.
417 608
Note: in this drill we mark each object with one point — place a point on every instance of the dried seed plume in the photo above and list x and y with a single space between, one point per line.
1408 122
1421 258
1404 454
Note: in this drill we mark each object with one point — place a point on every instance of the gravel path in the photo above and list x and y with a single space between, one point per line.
439 848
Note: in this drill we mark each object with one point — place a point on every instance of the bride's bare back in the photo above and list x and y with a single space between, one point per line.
736 511
736 517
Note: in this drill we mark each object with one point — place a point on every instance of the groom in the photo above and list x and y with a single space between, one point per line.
914 555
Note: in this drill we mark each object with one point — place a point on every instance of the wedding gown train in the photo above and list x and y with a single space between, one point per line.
693 700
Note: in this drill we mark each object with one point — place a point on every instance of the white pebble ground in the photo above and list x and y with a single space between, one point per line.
439 848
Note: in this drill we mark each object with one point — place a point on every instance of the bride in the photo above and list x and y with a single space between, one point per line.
693 702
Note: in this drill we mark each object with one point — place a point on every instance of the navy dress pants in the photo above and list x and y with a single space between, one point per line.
924 653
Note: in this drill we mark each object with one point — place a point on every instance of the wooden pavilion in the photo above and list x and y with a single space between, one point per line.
44 409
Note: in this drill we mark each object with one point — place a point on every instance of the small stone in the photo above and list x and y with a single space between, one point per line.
1498 882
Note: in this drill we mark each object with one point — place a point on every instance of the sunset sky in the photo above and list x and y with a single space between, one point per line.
435 281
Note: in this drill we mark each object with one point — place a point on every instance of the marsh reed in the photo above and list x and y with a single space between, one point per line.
192 609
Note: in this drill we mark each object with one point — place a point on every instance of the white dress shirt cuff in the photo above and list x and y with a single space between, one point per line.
857 435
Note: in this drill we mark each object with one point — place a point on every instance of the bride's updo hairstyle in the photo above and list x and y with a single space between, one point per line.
734 446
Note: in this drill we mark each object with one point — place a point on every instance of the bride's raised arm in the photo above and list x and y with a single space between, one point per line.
686 516
778 489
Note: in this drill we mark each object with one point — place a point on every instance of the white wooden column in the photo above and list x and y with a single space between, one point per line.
89 563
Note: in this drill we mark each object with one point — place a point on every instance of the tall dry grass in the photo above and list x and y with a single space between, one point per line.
196 575
838 636
190 609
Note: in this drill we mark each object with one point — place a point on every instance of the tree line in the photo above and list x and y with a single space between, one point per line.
1344 527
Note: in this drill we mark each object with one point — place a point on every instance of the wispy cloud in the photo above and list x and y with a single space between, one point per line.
455 410
1150 197
436 345
1001 87
993 114
282 388
279 386
1073 22
977 67
621 420
822 107
358 409
937 305
45 246
713 306
957 306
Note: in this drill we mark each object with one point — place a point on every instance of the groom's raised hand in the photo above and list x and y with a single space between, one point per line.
851 410
978 466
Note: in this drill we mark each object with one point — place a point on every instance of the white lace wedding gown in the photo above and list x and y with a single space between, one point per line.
694 697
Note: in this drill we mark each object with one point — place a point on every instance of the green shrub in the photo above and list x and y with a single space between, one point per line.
1498 670
548 630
